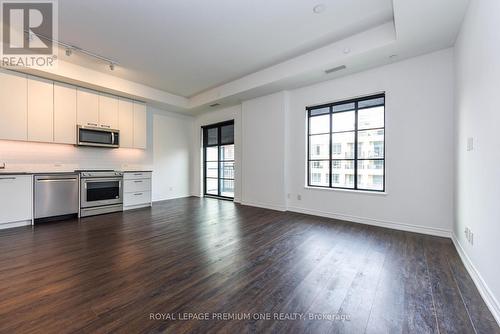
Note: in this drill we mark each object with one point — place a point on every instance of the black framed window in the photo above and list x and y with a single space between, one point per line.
346 144
218 160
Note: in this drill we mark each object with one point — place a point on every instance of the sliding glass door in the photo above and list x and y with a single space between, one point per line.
218 160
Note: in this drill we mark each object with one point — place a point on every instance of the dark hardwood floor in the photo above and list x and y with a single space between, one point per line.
188 257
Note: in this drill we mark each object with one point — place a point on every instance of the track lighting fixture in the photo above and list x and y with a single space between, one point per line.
70 48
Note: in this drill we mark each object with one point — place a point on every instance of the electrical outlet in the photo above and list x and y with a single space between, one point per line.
289 196
470 144
299 197
469 236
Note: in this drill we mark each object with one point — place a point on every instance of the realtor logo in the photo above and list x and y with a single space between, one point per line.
29 33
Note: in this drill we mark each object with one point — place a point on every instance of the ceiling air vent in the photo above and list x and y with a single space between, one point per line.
335 69
214 105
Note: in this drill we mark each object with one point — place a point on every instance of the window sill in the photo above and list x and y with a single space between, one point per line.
361 192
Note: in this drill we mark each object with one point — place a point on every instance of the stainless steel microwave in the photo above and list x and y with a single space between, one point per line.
99 137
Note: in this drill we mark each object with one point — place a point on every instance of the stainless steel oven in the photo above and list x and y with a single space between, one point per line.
100 192
98 137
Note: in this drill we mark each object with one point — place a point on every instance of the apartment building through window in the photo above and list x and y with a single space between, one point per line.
346 144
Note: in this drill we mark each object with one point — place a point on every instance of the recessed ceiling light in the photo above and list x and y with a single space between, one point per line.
319 8
347 50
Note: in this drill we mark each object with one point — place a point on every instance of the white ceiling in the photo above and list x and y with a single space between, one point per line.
184 55
188 46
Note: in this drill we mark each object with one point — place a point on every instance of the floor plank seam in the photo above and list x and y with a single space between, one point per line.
376 289
462 297
432 291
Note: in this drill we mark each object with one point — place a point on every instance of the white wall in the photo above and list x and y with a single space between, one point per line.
172 144
419 146
212 117
160 148
264 151
478 117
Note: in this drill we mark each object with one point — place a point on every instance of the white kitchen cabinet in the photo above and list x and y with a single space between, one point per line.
40 110
136 190
126 122
64 113
87 107
140 125
15 200
108 111
137 200
137 185
13 105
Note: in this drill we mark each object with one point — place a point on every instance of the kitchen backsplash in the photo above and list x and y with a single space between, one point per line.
35 157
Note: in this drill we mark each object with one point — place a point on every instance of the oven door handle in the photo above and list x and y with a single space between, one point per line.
98 179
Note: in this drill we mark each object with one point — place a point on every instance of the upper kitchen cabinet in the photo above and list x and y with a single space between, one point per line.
108 111
126 122
87 107
64 113
140 125
40 110
13 106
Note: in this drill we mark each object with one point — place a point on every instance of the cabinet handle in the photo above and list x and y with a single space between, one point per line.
57 180
105 126
94 124
137 174
138 194
138 181
7 178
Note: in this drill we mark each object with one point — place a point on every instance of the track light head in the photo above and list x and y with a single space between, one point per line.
111 66
69 52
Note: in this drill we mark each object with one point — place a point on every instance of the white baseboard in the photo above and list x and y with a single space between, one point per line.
15 224
484 290
139 206
375 222
276 207
169 198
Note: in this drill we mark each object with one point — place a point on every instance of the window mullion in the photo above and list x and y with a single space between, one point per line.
330 156
308 148
356 145
219 132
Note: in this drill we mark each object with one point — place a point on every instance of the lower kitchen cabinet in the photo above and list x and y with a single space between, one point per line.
16 200
136 190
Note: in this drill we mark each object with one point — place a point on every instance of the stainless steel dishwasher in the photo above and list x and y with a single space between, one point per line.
55 196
